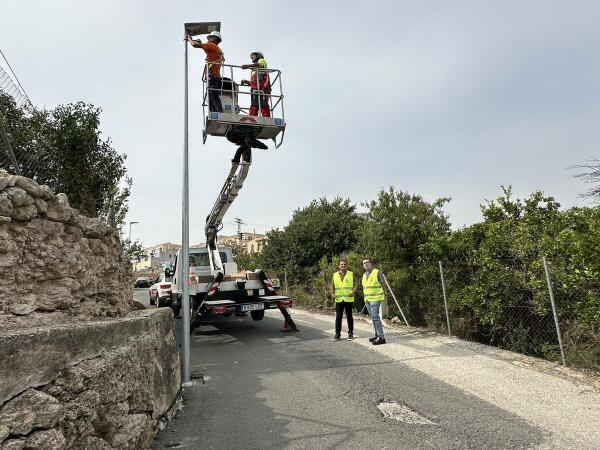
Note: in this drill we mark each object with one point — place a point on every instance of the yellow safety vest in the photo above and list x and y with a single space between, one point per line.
372 289
343 288
262 63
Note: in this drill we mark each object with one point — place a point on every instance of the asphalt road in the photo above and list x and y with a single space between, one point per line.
143 295
260 388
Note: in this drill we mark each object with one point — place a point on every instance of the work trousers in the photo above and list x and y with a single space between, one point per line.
215 85
373 308
339 312
265 110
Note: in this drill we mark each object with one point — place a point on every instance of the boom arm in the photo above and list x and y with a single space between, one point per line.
229 191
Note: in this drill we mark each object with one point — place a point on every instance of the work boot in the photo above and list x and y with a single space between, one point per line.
350 336
379 341
373 338
336 337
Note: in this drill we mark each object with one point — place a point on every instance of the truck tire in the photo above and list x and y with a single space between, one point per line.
257 315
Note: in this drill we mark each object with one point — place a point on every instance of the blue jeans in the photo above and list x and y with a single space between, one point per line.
373 308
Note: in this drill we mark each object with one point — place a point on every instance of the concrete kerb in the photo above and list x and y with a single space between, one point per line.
35 356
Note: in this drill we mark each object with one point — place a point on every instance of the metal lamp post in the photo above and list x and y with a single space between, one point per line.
190 29
129 237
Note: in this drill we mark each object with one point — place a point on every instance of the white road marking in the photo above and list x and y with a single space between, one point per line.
303 321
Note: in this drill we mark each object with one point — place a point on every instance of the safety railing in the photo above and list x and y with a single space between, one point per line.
230 87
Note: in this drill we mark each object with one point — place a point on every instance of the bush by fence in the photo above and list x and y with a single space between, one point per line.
504 302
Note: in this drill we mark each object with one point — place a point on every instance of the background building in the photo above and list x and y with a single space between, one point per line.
157 257
251 242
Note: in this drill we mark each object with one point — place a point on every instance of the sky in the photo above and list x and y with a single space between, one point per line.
436 98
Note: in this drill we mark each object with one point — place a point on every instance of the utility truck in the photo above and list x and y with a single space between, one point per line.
225 293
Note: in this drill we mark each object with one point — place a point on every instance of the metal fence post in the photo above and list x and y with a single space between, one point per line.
554 312
445 299
394 297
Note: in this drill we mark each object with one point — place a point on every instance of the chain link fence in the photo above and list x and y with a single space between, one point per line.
531 307
528 305
23 150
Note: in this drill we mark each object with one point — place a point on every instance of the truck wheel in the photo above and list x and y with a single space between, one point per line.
257 315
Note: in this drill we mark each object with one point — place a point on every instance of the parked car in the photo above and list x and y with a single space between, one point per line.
142 282
160 291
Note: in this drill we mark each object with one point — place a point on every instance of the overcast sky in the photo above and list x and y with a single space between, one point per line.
443 99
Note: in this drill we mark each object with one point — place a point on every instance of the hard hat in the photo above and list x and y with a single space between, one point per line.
216 34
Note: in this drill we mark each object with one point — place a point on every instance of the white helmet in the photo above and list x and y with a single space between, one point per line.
216 34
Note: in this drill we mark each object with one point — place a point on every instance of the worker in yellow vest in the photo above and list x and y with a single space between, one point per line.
372 283
344 289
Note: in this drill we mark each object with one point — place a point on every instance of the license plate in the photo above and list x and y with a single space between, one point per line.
252 307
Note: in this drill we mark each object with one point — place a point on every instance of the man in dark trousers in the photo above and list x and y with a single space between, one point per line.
344 289
212 71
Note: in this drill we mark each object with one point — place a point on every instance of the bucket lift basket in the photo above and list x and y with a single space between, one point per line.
236 100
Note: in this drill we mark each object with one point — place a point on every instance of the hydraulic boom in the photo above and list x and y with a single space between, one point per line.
240 165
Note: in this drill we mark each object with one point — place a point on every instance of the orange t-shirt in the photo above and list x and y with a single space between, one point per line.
214 58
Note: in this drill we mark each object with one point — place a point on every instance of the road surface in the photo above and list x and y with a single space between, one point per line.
260 388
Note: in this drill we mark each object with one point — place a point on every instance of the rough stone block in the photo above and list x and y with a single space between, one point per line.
46 440
29 186
6 206
13 444
32 409
41 206
47 193
24 213
17 196
21 309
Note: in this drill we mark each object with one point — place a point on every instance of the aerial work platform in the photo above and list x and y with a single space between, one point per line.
236 100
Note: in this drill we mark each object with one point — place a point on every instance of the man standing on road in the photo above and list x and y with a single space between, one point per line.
372 283
343 291
212 71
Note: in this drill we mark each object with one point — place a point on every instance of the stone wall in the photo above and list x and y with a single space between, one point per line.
56 264
79 367
98 385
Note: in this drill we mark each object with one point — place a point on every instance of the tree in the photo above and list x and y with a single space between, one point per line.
591 175
64 149
398 223
322 229
135 251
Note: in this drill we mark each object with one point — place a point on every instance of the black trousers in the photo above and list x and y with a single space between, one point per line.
339 312
215 85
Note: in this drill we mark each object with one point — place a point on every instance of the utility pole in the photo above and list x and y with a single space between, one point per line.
239 222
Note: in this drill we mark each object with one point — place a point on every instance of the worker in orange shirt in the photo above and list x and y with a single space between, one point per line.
212 70
260 84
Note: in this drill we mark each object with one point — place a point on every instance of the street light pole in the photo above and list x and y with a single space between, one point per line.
129 238
184 275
